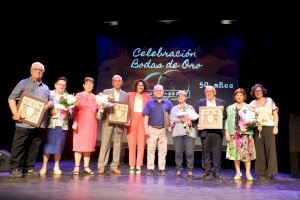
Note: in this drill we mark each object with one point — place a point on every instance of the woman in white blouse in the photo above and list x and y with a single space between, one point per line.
267 117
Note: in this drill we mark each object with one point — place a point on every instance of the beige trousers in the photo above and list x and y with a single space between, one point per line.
157 137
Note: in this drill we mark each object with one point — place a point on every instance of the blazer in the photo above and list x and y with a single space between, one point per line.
202 102
123 98
146 98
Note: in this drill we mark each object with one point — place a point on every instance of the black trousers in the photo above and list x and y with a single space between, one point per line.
266 156
184 144
25 148
212 151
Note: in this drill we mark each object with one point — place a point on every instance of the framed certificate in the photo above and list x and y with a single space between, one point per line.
211 117
31 109
119 114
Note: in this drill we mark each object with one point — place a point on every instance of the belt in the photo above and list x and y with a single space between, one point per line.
158 127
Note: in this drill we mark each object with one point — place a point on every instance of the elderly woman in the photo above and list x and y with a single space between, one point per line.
85 126
239 135
267 111
183 133
58 126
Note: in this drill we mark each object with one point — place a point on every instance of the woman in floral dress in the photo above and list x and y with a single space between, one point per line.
240 146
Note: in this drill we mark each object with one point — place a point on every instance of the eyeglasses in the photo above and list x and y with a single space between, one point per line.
63 85
37 69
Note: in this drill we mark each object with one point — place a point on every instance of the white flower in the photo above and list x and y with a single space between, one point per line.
71 100
103 101
247 115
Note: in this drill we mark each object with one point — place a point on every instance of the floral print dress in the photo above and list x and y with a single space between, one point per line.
241 146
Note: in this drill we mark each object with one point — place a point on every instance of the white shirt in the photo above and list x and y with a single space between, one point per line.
116 95
138 104
265 111
211 103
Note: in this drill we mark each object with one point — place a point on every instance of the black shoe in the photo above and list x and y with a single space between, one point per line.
162 172
16 174
150 172
263 177
270 177
204 175
32 172
217 175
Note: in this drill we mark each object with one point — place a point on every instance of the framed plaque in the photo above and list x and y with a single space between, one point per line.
211 117
31 109
119 114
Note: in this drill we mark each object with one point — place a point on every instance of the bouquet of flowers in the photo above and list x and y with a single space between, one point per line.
260 118
248 118
104 101
66 101
186 118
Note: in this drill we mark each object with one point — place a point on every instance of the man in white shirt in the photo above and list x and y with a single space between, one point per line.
211 139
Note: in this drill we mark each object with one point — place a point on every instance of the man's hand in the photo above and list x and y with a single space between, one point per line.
16 117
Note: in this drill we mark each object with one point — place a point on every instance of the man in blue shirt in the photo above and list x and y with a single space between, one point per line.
27 138
156 114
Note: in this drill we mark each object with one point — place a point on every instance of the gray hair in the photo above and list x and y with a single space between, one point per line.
116 76
181 92
210 87
37 64
158 87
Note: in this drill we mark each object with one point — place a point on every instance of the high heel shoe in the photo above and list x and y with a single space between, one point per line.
76 170
87 170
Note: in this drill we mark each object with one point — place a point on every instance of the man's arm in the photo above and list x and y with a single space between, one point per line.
146 126
14 110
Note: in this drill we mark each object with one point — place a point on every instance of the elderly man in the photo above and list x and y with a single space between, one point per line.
211 139
27 138
112 131
156 113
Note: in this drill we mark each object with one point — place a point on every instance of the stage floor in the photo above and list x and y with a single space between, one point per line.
134 187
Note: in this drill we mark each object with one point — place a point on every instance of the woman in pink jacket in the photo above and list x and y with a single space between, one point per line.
136 132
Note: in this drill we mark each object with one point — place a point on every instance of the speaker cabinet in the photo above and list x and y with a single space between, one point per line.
4 161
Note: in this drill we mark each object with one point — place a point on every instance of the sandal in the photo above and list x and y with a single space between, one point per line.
249 177
43 171
178 173
76 170
87 170
190 174
238 176
57 171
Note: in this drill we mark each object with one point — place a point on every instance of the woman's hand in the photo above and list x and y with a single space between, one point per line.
200 127
227 136
74 126
275 130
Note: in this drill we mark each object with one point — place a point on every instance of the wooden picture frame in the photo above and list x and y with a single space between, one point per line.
211 117
31 109
119 114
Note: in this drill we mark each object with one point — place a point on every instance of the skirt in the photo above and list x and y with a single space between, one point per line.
55 141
